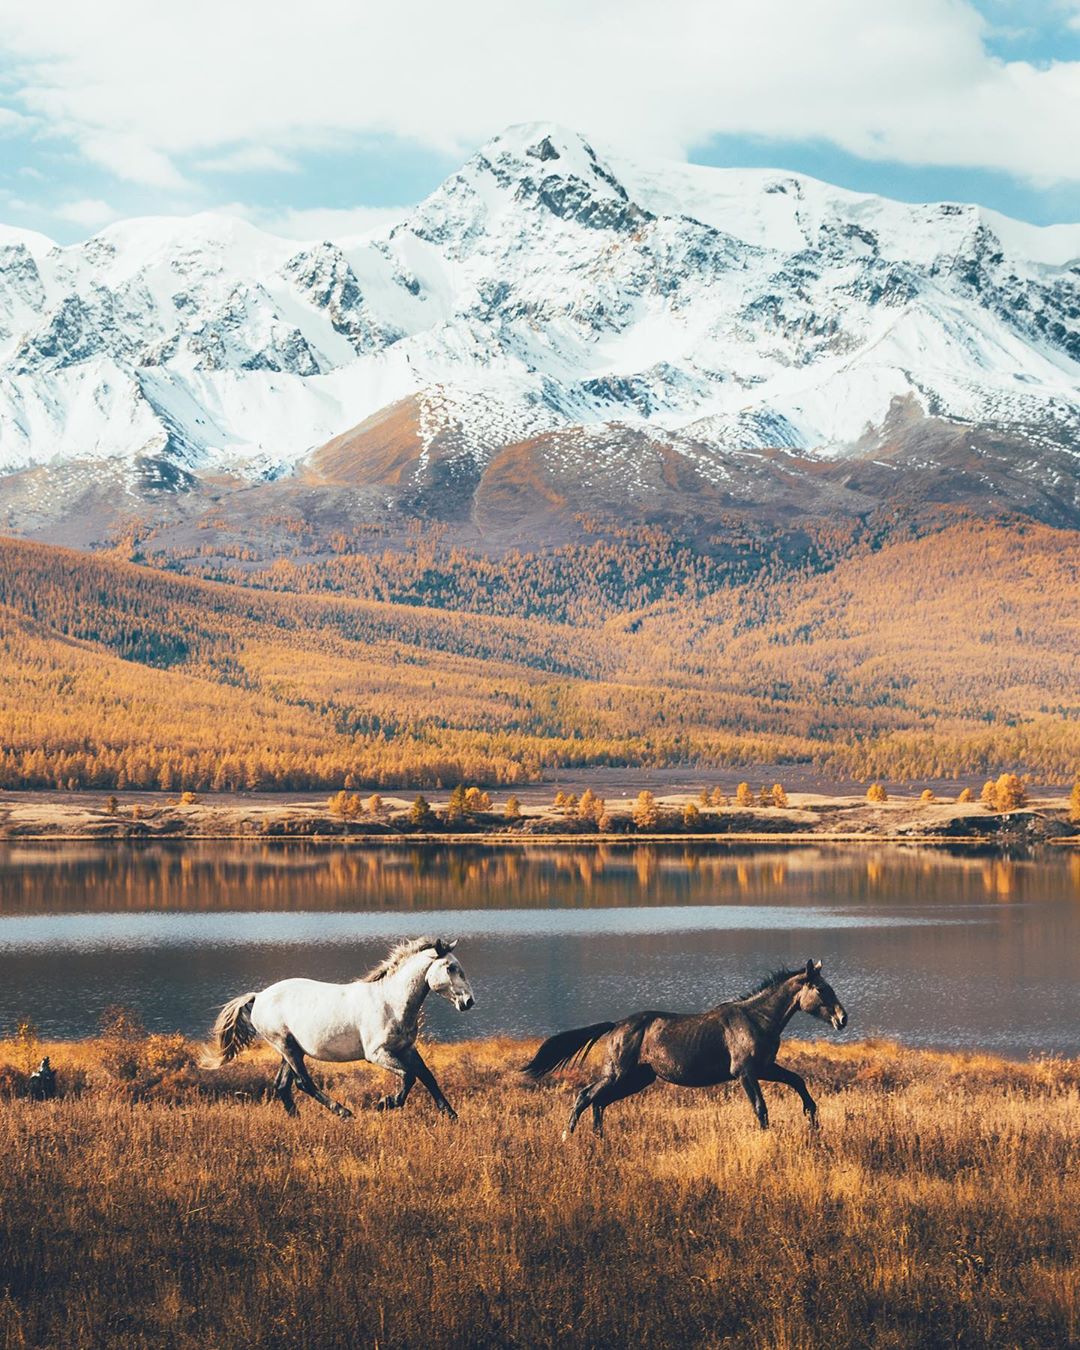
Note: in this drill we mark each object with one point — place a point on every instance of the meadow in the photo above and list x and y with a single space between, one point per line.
156 1204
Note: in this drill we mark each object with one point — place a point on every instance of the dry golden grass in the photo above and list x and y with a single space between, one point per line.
938 1205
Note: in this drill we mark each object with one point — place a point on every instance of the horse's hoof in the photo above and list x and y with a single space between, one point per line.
565 1135
344 1113
448 1112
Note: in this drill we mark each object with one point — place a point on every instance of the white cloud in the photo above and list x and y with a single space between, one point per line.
143 89
325 222
250 159
89 212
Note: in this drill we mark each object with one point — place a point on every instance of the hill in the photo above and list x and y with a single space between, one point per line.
951 652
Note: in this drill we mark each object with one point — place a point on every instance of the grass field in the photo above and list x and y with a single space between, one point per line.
157 1205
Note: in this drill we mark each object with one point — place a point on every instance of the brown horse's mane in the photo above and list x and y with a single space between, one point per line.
399 954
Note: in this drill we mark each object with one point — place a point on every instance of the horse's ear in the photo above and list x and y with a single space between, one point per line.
451 945
812 969
817 965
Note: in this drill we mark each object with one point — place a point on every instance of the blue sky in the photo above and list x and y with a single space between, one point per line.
327 118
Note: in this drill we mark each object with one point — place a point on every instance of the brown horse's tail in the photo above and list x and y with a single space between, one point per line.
566 1048
232 1033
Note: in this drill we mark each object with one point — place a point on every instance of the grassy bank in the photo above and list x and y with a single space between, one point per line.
159 1205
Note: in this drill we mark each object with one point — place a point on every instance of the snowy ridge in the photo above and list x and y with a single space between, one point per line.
542 287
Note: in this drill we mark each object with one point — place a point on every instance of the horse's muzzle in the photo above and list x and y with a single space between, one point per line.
465 1003
839 1020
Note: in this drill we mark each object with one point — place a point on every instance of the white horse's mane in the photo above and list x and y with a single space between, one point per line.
401 952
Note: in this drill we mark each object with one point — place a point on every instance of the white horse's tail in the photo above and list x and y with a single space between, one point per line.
233 1032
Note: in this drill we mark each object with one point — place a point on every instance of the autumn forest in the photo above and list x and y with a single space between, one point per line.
938 652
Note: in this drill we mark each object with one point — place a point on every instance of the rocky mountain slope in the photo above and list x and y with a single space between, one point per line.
551 332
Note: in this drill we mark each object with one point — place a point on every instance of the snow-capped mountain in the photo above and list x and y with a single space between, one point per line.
548 292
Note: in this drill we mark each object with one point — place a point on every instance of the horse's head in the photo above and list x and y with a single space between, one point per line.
445 976
818 998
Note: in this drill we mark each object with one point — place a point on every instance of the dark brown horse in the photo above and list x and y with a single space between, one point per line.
739 1039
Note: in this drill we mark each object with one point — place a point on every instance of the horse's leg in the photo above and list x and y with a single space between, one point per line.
775 1074
757 1101
386 1060
416 1065
283 1087
294 1056
582 1100
614 1090
613 1087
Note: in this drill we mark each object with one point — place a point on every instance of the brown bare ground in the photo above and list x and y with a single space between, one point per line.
158 1205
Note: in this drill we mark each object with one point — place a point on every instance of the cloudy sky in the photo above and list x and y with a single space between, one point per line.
322 117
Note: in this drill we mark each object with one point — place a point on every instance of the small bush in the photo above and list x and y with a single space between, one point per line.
13 1082
420 812
1008 793
876 793
646 811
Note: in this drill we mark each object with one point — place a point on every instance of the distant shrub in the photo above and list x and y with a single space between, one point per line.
13 1082
591 807
512 809
876 793
1074 804
691 816
743 795
347 805
189 798
966 796
1008 793
717 798
646 811
122 1036
420 812
765 797
779 796
926 796
476 801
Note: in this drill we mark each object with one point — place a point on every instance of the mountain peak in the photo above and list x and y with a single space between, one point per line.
543 287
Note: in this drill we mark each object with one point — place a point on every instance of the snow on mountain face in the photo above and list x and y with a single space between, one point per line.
542 287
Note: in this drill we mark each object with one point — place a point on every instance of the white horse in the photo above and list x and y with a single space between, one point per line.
375 1018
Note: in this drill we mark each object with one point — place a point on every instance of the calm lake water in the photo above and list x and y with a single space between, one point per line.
931 948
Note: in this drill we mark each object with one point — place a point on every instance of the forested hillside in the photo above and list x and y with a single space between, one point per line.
950 653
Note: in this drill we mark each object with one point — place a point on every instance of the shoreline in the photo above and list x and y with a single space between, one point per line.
384 820
981 841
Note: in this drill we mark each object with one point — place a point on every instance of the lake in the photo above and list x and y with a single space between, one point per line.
930 947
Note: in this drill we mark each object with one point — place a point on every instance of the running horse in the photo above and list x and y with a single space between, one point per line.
375 1018
738 1039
